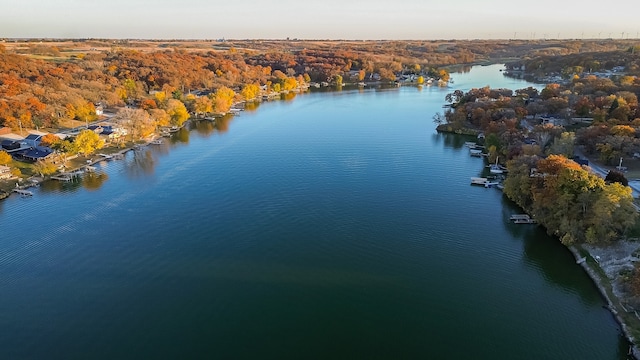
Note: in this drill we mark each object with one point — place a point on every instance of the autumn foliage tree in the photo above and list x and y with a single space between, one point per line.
137 122
223 99
177 112
250 92
49 140
87 142
5 158
569 201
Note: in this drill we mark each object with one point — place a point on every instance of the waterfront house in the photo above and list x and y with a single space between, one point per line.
13 145
10 145
33 154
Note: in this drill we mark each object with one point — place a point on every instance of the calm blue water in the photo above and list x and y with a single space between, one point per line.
334 225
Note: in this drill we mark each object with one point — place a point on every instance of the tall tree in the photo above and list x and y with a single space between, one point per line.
177 112
87 142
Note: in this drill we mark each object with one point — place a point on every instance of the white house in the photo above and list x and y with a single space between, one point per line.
5 172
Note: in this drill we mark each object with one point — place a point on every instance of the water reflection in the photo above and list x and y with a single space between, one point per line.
288 96
222 124
50 186
142 163
181 136
464 69
94 181
204 128
251 106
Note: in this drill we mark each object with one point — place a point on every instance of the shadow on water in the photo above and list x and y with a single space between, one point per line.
141 164
452 140
546 253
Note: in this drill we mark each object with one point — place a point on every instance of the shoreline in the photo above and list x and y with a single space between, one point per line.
588 266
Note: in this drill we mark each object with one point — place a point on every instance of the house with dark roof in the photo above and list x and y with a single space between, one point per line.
33 140
33 154
12 145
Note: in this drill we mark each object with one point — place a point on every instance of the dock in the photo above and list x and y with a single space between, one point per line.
479 181
525 221
486 182
23 192
62 177
522 219
489 184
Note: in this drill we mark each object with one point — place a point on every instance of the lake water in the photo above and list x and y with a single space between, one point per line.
334 225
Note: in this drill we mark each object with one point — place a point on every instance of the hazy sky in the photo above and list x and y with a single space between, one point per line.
318 19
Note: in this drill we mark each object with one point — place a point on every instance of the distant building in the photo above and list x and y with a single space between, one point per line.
5 172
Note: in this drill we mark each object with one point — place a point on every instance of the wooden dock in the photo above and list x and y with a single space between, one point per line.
62 177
